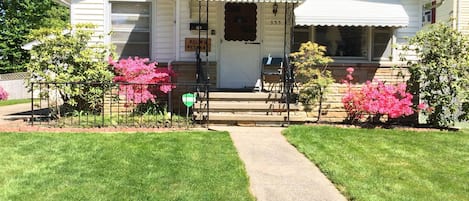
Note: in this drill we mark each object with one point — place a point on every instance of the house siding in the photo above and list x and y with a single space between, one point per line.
413 9
462 22
163 34
273 30
189 13
89 11
445 11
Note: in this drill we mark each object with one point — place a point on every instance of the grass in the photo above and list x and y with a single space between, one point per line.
135 166
106 120
377 164
14 101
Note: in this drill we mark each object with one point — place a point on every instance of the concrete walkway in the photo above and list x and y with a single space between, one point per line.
9 112
277 171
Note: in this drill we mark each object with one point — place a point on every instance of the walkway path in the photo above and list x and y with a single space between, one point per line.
9 112
276 169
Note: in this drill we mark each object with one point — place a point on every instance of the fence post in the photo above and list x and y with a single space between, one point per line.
102 109
32 103
207 91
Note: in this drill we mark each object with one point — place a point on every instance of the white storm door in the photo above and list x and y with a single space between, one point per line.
240 46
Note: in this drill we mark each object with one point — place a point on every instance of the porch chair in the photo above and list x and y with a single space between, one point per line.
272 74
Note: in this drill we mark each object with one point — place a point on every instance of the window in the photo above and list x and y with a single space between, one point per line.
348 42
343 41
240 21
300 35
131 25
382 40
429 13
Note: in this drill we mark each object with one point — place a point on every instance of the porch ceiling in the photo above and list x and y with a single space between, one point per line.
352 13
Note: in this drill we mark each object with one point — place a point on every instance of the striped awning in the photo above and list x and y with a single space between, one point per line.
259 1
386 13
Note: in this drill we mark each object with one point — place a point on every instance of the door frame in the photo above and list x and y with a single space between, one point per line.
221 36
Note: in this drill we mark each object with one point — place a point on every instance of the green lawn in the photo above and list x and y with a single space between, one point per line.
377 164
135 166
14 102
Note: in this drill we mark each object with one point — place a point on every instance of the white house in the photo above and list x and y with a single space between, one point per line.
455 12
364 34
241 32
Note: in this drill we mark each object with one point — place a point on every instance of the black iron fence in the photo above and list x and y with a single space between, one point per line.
84 104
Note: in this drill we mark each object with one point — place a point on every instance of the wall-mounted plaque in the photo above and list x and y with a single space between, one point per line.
191 44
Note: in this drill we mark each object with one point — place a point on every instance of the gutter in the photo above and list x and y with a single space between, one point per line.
66 3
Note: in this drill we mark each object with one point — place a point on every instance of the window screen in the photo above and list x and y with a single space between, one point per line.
131 28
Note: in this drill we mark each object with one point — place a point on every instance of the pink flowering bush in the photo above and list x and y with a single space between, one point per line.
376 99
3 94
141 80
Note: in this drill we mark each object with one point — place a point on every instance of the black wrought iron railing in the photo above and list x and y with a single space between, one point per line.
83 104
288 83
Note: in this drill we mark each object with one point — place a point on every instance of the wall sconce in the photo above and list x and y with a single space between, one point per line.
275 8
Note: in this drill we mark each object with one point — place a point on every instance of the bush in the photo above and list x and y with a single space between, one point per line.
141 80
3 94
376 100
441 73
311 73
71 57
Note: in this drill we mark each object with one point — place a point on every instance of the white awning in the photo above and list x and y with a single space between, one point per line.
389 13
259 1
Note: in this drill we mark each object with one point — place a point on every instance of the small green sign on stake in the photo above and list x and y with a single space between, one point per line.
188 99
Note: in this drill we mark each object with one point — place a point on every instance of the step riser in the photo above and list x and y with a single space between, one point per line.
246 108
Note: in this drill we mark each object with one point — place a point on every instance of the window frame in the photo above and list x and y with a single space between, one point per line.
149 30
370 44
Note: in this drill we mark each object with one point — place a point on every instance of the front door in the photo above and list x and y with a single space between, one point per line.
240 46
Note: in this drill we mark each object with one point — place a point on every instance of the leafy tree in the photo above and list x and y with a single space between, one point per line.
17 19
441 73
311 72
72 58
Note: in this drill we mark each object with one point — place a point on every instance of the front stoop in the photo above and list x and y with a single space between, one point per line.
247 108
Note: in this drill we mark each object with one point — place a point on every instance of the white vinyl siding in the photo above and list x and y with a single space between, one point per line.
273 30
165 37
413 9
189 13
89 11
463 18
445 12
163 49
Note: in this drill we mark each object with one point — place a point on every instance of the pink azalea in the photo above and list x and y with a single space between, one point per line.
350 70
3 94
349 77
377 98
140 72
422 106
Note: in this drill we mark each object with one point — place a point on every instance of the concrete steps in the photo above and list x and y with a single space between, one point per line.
253 108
